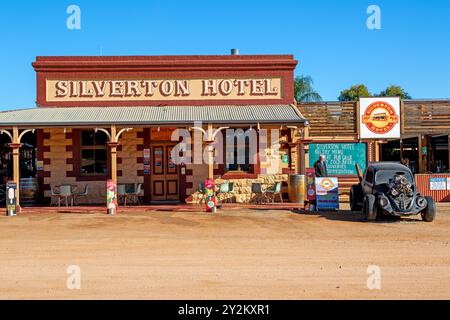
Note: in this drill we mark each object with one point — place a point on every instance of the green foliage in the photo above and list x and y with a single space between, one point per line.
395 91
304 91
354 93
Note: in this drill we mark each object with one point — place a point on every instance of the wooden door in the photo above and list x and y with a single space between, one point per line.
165 174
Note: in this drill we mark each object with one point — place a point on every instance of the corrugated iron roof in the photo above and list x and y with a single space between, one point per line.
151 115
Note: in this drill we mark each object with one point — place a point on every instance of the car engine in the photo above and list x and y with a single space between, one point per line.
401 191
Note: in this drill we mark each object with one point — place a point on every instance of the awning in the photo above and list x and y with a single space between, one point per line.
151 115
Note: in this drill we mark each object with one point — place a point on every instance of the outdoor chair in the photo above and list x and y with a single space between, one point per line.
54 196
259 196
65 192
136 194
2 196
78 195
201 190
274 191
225 190
122 195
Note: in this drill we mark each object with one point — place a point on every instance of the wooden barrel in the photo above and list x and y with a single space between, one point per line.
29 191
297 188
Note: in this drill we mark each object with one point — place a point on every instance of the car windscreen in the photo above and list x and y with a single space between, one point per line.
384 176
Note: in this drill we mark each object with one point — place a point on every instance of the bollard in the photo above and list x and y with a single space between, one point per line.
210 196
111 197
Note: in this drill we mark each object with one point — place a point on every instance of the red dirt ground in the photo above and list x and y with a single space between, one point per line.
236 254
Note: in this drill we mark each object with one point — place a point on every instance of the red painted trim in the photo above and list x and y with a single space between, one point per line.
147 180
166 67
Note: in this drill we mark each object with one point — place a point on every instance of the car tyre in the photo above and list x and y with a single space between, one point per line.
370 207
355 194
429 213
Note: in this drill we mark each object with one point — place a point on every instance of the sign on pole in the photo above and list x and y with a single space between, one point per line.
11 199
379 118
310 184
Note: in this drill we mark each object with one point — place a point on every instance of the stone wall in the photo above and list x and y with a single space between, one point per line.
242 188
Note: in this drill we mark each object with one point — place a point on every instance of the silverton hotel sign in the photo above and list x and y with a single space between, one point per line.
163 89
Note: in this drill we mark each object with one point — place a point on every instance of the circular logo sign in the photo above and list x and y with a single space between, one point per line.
380 117
327 184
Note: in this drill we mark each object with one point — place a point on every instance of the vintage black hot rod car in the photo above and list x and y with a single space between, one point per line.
389 188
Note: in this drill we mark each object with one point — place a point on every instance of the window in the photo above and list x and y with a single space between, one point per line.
94 153
385 176
240 150
369 176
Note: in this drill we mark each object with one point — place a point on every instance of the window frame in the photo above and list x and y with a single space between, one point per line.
76 161
254 171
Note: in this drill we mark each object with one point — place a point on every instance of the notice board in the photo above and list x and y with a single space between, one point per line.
341 157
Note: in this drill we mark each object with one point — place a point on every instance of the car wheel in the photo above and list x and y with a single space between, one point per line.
429 213
355 194
370 207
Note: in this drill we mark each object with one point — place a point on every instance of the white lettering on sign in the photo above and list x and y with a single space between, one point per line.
142 89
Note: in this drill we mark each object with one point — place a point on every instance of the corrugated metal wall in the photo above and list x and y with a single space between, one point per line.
423 185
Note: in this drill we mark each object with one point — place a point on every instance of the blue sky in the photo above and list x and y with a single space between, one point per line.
329 38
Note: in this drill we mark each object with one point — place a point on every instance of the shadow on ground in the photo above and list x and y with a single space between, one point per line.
350 216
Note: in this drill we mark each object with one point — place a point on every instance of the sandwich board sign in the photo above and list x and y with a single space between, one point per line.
327 193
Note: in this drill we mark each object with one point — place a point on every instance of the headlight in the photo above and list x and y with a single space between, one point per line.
421 202
383 201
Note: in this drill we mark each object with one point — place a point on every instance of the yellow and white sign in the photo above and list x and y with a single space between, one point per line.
163 89
379 118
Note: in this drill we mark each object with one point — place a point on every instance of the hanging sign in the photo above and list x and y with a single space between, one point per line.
379 118
327 193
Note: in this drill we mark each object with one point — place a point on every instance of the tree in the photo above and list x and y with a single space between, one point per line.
395 91
304 91
354 93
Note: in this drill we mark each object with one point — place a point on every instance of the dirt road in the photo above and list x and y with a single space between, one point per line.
233 255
